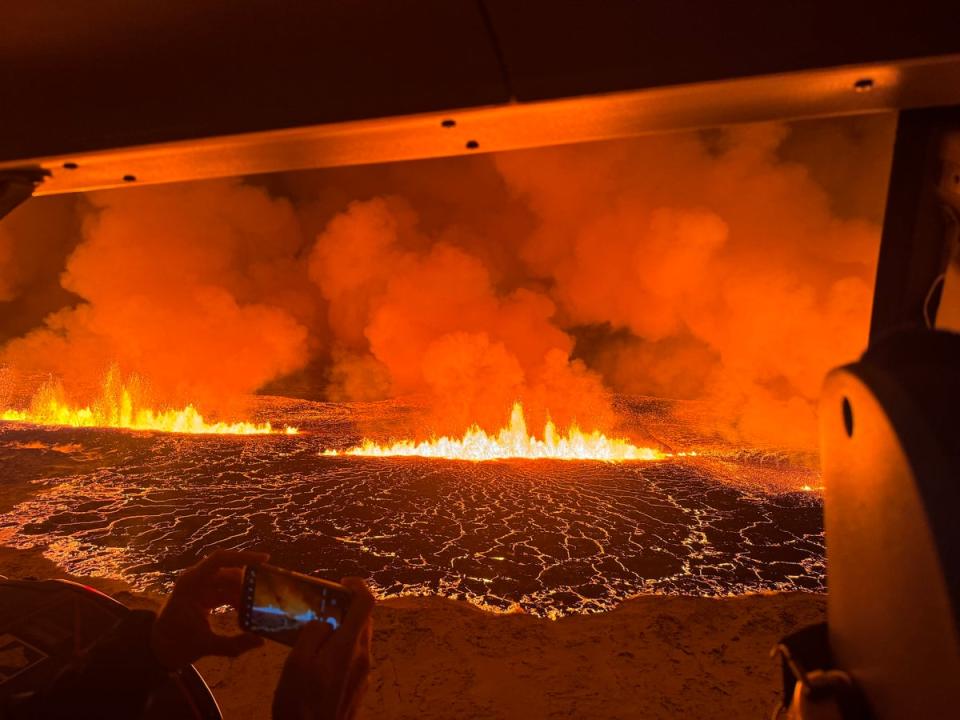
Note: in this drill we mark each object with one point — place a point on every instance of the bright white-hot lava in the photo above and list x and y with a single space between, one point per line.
117 407
513 441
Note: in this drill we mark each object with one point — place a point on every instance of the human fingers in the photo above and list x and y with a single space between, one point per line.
358 586
232 645
229 559
366 636
312 637
226 588
361 651
361 607
195 579
355 686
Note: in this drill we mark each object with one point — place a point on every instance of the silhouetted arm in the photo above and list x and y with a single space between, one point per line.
113 680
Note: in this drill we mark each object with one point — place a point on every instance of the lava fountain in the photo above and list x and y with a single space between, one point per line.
513 441
117 407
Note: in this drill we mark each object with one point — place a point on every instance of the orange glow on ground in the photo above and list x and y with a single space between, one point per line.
513 441
117 408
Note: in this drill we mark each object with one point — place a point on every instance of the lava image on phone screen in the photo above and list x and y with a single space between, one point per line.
281 602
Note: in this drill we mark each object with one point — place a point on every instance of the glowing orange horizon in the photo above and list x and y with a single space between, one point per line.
116 408
513 441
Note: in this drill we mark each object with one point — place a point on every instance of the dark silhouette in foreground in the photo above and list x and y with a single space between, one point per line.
324 675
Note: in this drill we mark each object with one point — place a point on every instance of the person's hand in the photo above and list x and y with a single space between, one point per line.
182 632
325 674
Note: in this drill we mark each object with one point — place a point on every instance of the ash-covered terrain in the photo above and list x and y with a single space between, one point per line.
551 537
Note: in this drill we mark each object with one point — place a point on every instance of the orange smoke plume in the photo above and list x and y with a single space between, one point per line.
191 287
434 321
732 266
720 270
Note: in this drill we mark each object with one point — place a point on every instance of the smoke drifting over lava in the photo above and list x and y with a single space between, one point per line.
173 282
703 266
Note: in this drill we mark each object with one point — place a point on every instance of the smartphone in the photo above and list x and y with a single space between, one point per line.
277 603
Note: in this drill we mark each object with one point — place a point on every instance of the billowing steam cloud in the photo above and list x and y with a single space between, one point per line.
434 322
173 281
726 267
705 266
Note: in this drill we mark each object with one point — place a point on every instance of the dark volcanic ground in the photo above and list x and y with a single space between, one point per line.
552 537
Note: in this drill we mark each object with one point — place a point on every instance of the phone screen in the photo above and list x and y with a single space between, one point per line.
277 602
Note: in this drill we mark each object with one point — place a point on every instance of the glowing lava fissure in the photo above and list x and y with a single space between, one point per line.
117 407
513 441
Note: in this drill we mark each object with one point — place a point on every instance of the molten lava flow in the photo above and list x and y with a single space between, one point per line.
117 408
513 441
